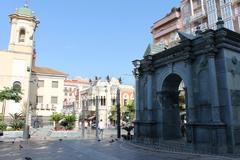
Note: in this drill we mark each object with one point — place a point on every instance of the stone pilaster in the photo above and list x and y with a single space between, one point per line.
150 70
214 87
191 115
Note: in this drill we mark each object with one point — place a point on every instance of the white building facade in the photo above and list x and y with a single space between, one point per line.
47 94
72 89
104 92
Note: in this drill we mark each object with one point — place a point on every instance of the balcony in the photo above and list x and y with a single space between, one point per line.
197 16
39 106
235 1
53 107
166 19
166 31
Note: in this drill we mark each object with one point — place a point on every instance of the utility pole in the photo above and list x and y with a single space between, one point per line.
26 131
97 117
83 121
118 114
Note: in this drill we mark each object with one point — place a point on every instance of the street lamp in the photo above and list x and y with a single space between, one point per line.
106 104
118 111
97 112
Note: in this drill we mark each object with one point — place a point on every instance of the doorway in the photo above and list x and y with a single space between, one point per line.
173 107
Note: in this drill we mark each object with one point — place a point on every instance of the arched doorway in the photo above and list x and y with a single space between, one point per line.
173 107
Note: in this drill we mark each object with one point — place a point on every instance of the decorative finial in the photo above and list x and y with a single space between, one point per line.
26 4
198 31
220 23
120 80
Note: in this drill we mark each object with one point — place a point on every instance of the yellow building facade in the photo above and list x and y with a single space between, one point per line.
17 64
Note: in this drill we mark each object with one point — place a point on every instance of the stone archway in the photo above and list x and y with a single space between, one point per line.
209 66
170 106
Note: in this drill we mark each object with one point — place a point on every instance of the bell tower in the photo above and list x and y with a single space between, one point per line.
23 27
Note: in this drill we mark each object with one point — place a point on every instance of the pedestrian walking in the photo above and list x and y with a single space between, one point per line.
100 128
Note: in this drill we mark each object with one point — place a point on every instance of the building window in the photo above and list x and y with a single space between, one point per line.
39 99
104 101
212 14
113 101
101 100
83 103
54 100
125 102
226 12
40 83
198 2
94 101
17 85
54 84
22 35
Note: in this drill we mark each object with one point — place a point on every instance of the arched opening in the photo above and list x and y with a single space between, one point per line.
17 85
22 35
174 107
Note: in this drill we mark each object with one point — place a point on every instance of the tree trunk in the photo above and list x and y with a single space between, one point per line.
54 125
3 109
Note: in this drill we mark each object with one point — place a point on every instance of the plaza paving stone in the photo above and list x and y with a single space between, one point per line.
89 150
44 147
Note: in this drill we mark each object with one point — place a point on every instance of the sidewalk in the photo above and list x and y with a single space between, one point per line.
171 148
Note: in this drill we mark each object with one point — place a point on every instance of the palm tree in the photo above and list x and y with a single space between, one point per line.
56 117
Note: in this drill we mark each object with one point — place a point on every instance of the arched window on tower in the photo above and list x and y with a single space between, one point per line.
22 35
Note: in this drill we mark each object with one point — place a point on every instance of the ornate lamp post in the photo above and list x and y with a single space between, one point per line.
118 111
136 72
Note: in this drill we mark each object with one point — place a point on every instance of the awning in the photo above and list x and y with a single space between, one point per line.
91 118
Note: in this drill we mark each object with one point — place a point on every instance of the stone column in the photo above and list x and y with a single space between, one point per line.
137 73
137 98
191 6
190 96
214 87
149 96
202 7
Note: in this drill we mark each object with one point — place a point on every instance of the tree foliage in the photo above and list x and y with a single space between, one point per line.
113 114
56 117
11 94
127 113
17 121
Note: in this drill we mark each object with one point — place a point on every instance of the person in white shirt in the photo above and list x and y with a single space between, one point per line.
100 127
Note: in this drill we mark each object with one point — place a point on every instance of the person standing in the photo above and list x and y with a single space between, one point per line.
101 128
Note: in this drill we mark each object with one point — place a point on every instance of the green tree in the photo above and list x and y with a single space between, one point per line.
70 119
56 117
128 112
113 114
17 121
13 93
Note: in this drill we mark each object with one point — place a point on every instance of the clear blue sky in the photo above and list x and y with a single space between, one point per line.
90 37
